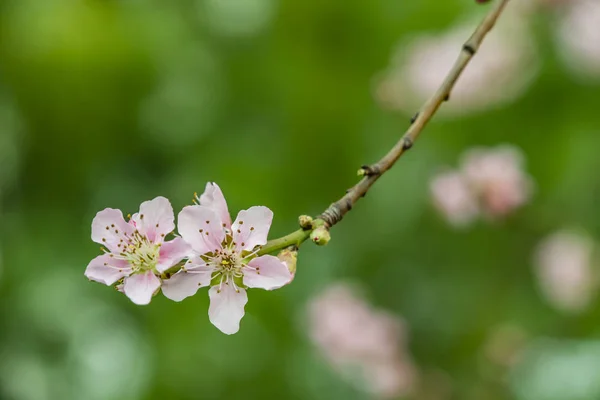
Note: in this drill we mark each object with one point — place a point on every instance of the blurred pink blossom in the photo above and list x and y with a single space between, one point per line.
490 182
453 197
578 36
350 333
564 266
502 70
498 179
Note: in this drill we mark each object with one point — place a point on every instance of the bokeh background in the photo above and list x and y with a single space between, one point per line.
429 289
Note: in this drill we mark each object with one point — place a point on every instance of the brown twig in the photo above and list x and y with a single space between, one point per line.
371 173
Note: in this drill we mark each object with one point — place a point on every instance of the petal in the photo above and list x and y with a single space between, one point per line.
155 219
201 228
185 283
227 307
110 229
171 253
141 287
267 272
213 198
251 227
106 269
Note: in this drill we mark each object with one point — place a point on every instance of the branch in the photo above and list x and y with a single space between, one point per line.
336 211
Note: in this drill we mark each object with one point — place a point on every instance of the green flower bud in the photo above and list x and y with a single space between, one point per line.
305 221
289 256
320 236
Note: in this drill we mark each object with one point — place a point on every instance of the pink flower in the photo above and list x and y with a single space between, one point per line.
502 71
497 177
578 37
565 269
453 197
225 257
358 339
137 251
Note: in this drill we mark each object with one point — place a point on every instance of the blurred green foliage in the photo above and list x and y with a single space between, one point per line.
110 103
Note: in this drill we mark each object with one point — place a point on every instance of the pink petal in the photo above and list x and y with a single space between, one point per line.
227 307
185 284
141 287
155 219
171 253
213 198
106 269
251 227
110 229
201 228
267 272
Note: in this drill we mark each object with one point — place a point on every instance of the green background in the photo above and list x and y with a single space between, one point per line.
110 103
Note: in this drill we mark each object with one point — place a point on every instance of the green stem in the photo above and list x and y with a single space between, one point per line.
295 238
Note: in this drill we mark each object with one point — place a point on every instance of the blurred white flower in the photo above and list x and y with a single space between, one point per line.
563 264
504 67
453 197
497 177
578 36
355 337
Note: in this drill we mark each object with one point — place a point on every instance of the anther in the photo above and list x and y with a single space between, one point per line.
243 244
107 228
206 233
251 228
241 222
208 222
200 230
157 225
141 216
103 239
224 225
112 225
238 231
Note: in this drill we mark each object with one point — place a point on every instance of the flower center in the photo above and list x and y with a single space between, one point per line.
140 253
228 263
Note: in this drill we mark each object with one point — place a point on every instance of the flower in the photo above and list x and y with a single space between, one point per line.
500 73
225 257
137 251
578 36
490 182
366 346
497 176
564 265
453 197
